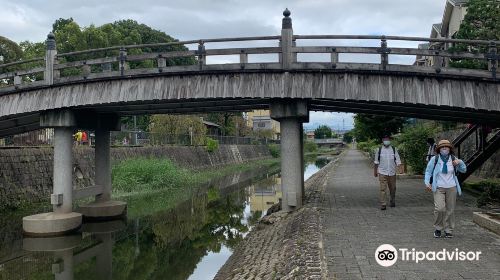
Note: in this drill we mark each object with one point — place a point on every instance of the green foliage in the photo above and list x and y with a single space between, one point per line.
274 149
149 174
310 147
164 127
488 191
368 126
482 22
348 136
368 146
9 50
231 124
412 145
212 144
141 121
323 132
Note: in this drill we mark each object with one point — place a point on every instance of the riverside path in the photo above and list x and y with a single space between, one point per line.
354 227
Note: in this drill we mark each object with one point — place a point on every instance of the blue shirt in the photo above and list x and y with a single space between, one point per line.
439 166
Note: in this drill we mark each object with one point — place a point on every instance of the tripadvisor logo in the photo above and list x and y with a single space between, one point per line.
387 255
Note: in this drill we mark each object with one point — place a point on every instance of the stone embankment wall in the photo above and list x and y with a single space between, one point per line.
489 169
26 173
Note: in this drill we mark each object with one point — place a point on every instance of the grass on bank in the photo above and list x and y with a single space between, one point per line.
151 185
146 175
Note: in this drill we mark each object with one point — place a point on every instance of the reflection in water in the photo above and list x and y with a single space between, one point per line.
190 241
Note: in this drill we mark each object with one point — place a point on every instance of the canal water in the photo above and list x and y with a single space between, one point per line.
189 241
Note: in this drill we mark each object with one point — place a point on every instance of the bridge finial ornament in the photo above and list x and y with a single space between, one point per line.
287 21
51 41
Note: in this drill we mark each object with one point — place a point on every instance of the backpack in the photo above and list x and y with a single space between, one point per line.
380 150
436 158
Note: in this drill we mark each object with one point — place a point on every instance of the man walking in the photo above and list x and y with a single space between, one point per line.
386 161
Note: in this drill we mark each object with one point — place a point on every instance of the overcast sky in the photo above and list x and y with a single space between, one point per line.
194 19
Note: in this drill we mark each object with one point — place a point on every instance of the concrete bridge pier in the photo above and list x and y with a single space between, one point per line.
103 207
291 115
62 219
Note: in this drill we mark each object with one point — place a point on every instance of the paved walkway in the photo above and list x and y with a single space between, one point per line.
355 227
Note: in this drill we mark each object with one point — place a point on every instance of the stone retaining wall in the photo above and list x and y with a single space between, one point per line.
26 173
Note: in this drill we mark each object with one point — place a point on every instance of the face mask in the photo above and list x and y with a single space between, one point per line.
444 152
387 142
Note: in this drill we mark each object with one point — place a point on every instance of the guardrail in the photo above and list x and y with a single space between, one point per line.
128 61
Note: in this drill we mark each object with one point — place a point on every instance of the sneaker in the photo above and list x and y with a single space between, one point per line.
437 233
383 207
448 234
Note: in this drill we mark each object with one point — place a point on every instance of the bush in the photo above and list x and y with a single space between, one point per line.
310 147
488 191
212 144
274 150
412 144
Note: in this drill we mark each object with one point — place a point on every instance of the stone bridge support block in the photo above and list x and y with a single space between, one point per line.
62 220
291 115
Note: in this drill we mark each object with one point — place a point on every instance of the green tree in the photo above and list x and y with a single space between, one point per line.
348 136
323 132
9 50
368 126
412 144
168 126
231 123
482 22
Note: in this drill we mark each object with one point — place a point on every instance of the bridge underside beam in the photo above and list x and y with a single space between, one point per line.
406 110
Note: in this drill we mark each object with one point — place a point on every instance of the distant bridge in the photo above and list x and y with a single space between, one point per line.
92 88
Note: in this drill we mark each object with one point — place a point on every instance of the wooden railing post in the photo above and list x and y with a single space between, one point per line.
123 61
202 57
243 59
50 57
286 40
86 70
334 56
384 53
438 61
493 59
162 63
17 80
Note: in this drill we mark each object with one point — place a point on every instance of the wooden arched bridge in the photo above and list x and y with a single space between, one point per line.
92 88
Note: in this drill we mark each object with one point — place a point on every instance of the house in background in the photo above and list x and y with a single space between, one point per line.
453 15
310 135
260 120
212 128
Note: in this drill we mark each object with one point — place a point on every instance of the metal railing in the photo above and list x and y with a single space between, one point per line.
119 61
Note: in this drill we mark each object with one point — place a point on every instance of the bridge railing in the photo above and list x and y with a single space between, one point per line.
151 59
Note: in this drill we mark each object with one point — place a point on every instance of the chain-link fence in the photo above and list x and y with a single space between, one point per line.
128 138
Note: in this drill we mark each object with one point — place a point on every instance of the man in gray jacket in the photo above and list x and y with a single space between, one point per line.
386 161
